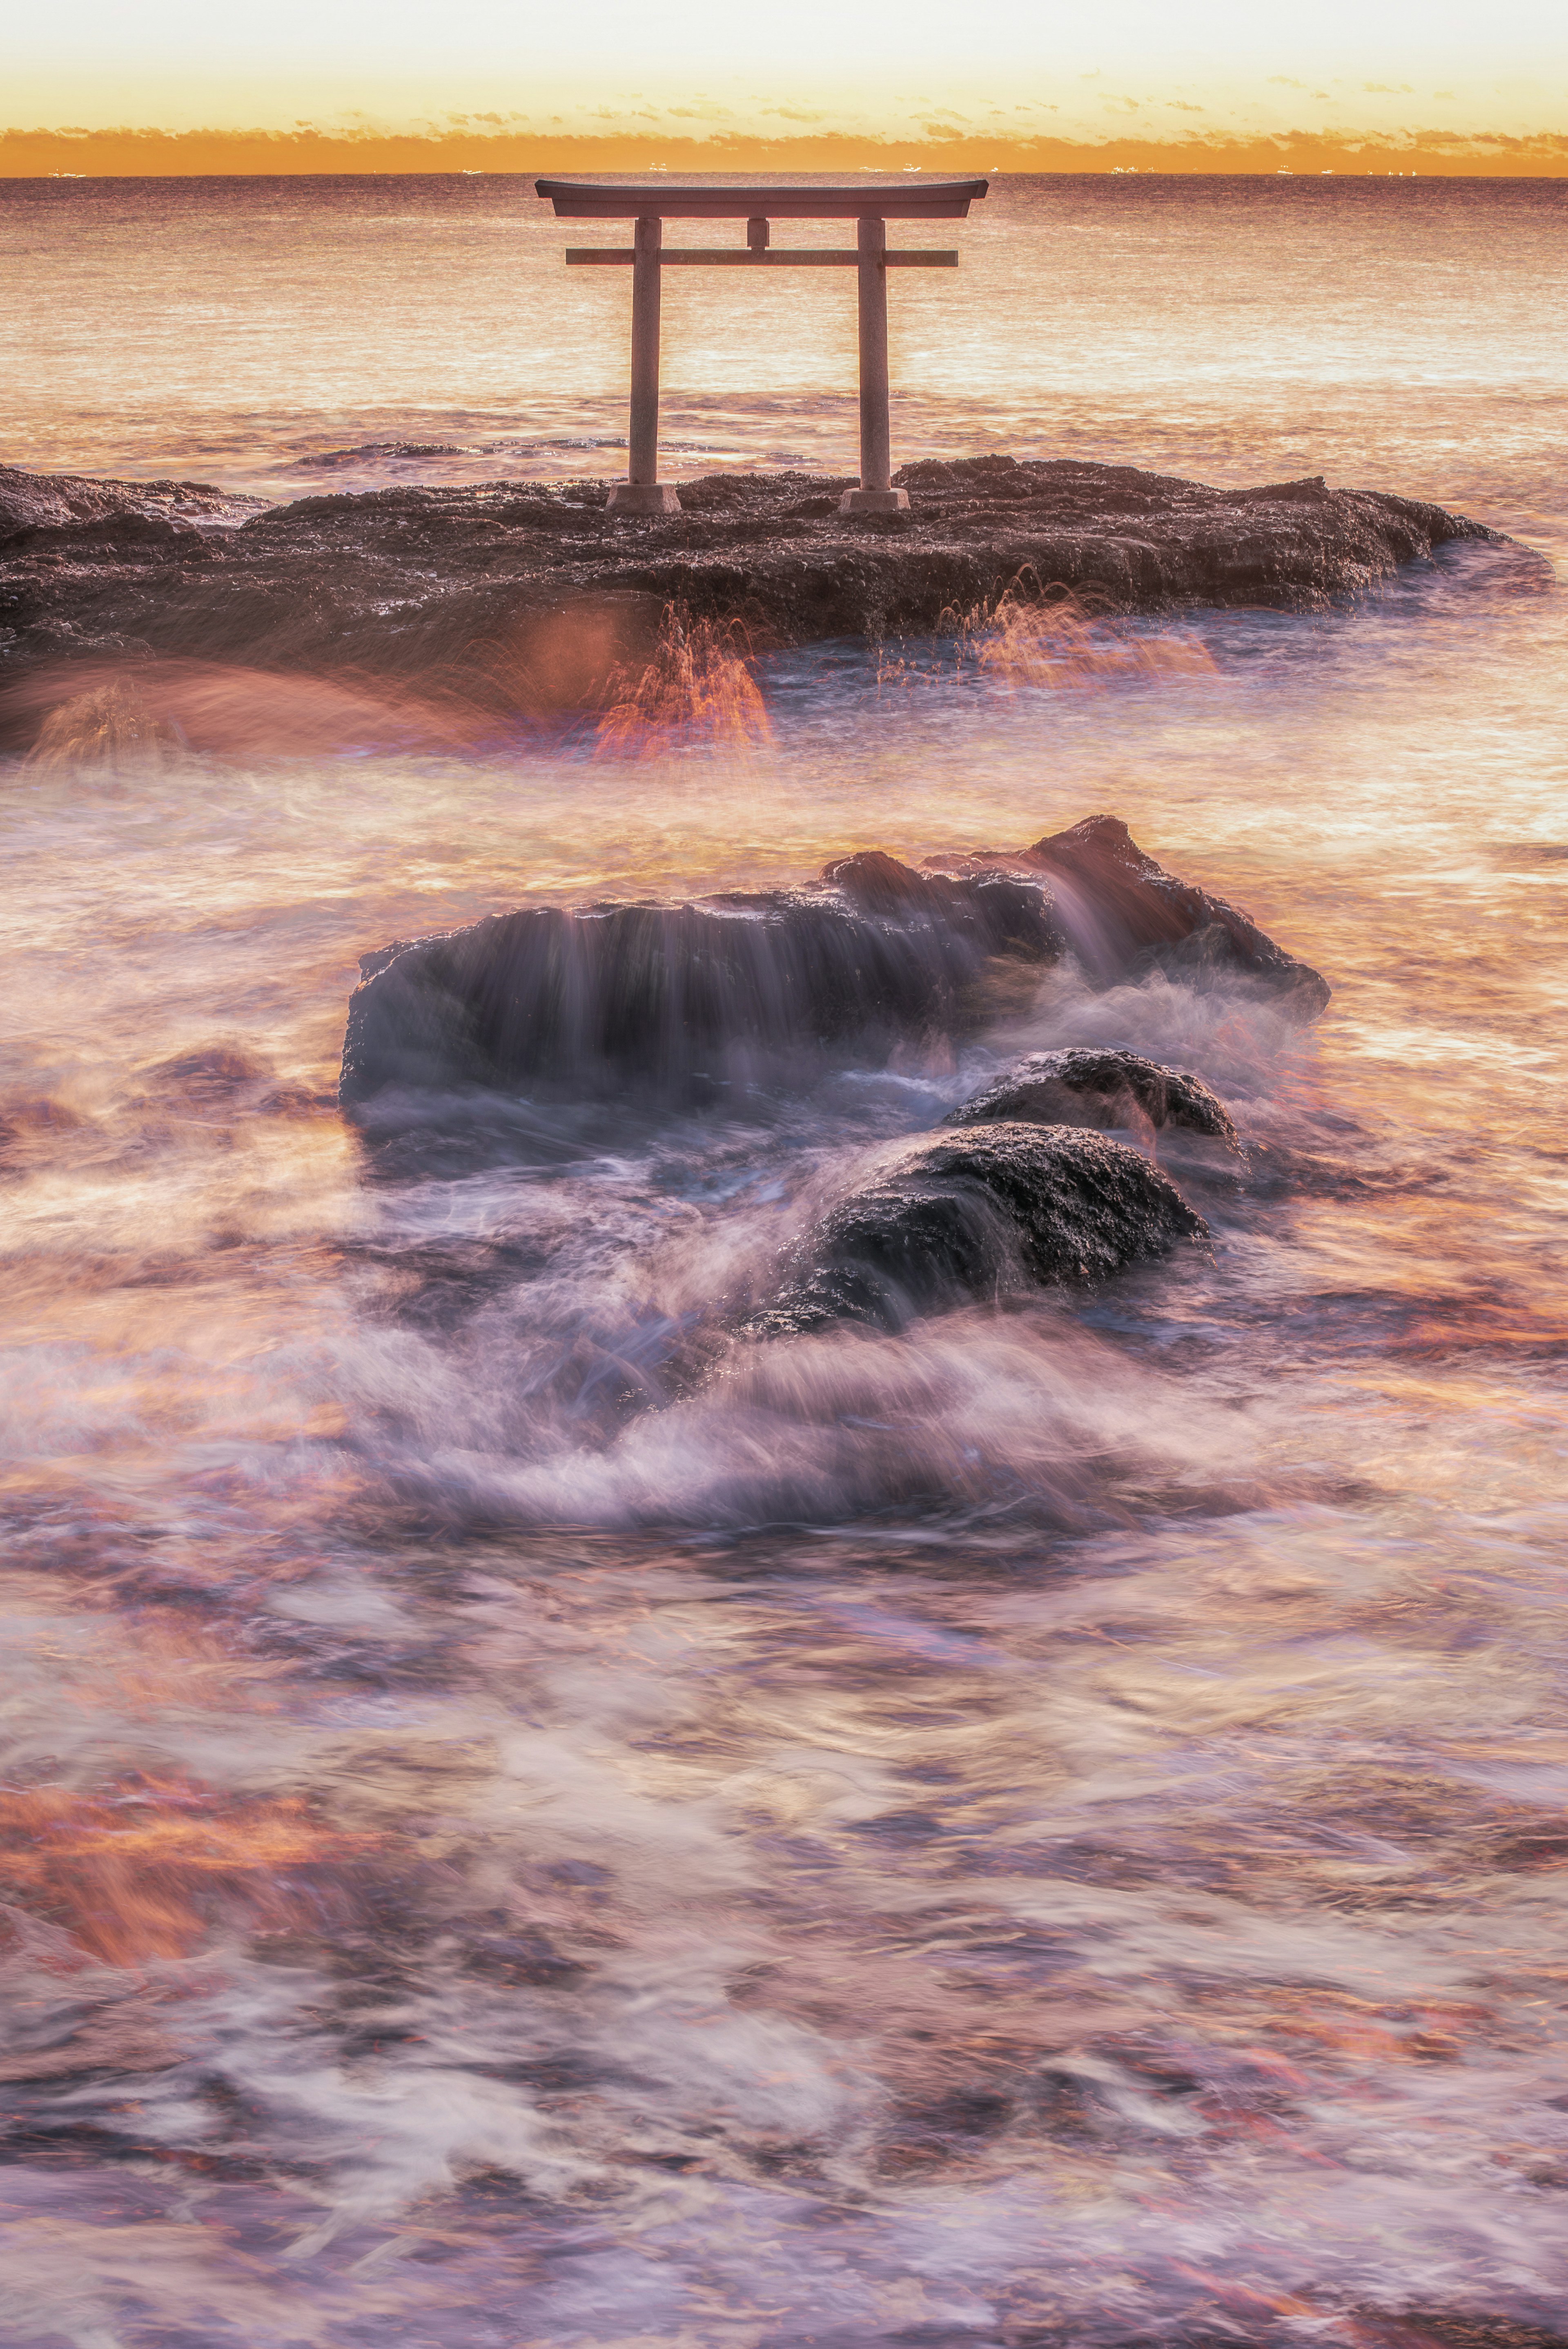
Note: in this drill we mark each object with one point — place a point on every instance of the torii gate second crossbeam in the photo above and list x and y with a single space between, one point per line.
870 207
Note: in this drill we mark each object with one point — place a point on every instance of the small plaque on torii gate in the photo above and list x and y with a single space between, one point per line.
649 206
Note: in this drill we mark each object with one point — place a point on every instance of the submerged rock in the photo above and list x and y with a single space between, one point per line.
693 1000
1099 1088
973 1216
524 596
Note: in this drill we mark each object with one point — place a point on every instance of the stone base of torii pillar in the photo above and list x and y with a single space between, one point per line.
661 498
874 501
643 498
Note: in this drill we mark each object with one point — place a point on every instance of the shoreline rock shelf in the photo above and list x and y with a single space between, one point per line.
469 587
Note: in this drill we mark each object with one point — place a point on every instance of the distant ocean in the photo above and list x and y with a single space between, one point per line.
1046 1830
284 334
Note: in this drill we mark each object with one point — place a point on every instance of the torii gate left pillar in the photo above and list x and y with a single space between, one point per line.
642 493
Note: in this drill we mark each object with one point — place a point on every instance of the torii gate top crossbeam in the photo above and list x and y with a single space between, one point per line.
675 199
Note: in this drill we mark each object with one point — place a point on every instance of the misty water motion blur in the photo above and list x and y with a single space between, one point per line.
698 685
1032 637
1042 1829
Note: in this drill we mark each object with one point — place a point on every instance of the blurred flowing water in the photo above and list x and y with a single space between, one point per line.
1050 1831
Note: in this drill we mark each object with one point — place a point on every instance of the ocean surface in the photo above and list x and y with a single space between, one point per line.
1050 1831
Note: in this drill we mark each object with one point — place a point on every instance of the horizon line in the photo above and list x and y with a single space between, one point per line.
148 152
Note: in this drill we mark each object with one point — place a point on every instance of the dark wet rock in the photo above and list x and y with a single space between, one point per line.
57 510
49 642
1099 1088
696 999
875 882
998 1209
1127 918
693 999
471 584
328 460
1452 2328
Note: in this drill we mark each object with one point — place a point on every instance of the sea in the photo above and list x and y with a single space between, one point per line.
1048 1830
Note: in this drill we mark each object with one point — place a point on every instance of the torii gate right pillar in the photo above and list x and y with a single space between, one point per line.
876 493
643 492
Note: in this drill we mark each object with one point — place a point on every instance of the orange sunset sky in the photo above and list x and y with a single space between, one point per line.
345 85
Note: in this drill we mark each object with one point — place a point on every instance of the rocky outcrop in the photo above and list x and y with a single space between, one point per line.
1126 918
41 510
1100 1089
693 1000
520 596
975 1215
703 1000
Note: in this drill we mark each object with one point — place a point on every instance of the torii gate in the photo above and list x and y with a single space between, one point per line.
642 493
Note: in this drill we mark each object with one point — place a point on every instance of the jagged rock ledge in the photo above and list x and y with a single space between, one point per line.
472 585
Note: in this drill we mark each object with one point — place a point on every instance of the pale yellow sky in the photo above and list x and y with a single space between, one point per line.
1123 68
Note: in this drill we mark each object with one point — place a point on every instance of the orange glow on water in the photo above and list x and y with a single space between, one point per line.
109 714
133 1873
